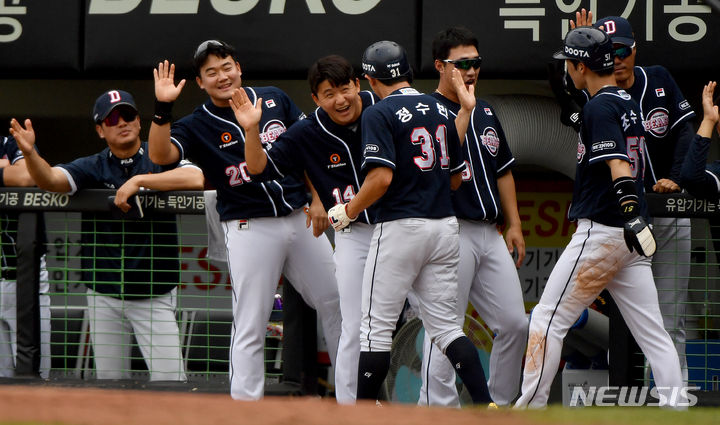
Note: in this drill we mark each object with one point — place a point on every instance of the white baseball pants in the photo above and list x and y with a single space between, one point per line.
596 258
351 250
488 278
153 322
259 251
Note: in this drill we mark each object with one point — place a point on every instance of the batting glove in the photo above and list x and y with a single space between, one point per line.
638 235
338 217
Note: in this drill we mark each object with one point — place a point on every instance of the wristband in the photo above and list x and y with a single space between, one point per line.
625 189
2 177
163 112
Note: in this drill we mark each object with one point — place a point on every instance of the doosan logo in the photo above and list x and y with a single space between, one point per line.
578 53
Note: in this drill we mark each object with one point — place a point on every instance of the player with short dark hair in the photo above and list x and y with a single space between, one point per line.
485 199
130 266
612 244
326 147
412 159
264 222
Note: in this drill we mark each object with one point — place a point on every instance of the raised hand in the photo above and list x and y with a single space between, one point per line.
583 18
246 114
24 136
710 110
165 88
465 93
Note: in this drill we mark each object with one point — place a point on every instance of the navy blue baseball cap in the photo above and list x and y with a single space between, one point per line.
618 28
590 46
110 100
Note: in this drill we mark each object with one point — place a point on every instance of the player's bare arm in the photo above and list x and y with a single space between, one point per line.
466 95
583 18
508 201
16 174
710 112
185 178
248 116
316 215
373 188
160 149
46 177
455 181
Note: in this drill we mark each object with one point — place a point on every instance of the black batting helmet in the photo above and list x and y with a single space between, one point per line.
386 60
590 46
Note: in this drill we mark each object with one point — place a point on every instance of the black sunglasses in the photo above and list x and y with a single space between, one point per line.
127 114
204 46
623 52
465 64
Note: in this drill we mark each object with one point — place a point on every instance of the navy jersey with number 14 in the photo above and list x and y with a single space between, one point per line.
413 134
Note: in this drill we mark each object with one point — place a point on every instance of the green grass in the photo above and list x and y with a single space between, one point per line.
623 415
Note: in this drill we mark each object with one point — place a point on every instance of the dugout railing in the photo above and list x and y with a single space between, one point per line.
204 310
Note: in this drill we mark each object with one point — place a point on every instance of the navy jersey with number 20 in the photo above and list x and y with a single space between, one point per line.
413 134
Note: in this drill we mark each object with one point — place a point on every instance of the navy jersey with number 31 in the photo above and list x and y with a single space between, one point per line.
415 135
612 129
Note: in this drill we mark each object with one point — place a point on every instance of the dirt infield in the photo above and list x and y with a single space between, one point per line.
91 406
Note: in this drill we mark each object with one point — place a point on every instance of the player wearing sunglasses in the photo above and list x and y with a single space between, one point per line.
669 133
486 273
135 294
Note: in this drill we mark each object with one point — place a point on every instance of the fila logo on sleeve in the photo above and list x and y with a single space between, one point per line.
660 92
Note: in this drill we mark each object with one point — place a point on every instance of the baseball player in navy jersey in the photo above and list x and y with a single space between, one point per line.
131 281
411 154
264 223
486 273
701 180
13 173
613 242
667 116
326 146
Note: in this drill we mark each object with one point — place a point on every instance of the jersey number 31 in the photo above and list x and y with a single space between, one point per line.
420 136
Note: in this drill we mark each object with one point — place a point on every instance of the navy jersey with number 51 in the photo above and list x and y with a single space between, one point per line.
612 129
413 134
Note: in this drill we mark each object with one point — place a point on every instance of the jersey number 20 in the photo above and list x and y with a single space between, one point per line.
420 136
238 174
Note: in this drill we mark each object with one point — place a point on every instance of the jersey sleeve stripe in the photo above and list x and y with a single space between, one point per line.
73 185
179 146
377 160
277 170
717 181
609 156
500 169
459 168
682 118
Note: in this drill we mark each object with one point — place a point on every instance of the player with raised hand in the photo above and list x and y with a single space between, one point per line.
485 199
612 244
264 222
131 283
412 159
699 179
326 147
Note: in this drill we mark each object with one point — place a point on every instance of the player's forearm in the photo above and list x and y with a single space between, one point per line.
45 177
185 178
462 121
160 148
684 135
373 188
254 153
693 176
508 199
17 175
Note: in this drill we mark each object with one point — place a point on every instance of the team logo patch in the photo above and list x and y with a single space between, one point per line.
624 95
657 122
488 111
270 103
372 148
660 92
272 130
491 141
226 137
602 146
684 105
581 151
